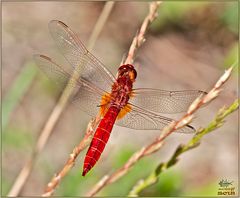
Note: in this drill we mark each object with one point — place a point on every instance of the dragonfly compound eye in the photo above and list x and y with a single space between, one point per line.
134 73
128 69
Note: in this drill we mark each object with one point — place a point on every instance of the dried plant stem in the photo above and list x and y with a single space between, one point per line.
58 109
70 162
100 23
139 39
157 144
193 143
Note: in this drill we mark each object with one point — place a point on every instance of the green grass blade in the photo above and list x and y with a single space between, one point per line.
194 142
17 91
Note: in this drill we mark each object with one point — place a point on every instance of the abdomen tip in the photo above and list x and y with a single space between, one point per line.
85 171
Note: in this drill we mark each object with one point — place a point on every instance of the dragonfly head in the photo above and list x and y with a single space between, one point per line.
127 70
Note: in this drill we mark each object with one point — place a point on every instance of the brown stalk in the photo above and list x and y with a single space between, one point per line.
157 144
55 115
71 161
139 39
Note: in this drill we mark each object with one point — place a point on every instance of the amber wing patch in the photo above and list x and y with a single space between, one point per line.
104 105
124 111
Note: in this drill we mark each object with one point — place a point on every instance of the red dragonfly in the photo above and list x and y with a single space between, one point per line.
98 91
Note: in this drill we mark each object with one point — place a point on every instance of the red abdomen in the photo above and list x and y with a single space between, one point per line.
100 139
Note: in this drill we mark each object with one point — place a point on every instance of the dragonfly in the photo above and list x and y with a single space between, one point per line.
98 92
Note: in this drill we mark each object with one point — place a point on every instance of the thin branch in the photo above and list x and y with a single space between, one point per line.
193 143
56 113
100 23
157 144
73 156
139 39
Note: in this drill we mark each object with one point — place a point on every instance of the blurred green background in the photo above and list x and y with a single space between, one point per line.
187 47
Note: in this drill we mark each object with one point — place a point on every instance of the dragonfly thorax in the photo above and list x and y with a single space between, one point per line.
121 91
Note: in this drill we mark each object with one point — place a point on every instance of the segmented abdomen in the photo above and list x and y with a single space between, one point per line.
100 139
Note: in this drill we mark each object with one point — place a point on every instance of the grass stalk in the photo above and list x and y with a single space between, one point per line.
153 178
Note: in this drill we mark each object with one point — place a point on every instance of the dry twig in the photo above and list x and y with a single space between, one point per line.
153 178
70 163
56 113
157 144
139 39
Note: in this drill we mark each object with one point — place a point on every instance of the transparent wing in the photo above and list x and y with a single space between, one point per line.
54 71
161 101
91 69
87 100
140 119
86 96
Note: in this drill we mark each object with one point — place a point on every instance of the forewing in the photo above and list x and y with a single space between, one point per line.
161 101
91 69
85 96
139 119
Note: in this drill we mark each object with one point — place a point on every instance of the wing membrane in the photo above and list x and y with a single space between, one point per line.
161 101
140 119
87 100
91 69
85 96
